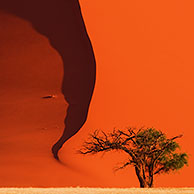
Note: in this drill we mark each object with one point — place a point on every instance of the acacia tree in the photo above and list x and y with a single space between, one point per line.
149 151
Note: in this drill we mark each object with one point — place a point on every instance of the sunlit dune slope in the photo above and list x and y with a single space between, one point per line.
145 76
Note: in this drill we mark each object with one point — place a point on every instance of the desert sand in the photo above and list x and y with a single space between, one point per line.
97 191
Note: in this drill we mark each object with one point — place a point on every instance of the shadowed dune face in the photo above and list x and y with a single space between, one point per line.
61 22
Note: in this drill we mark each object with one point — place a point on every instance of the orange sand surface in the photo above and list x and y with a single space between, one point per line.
145 76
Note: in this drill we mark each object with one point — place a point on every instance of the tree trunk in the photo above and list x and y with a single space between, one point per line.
151 181
151 176
142 180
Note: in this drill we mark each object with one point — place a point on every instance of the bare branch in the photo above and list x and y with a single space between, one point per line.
124 165
159 170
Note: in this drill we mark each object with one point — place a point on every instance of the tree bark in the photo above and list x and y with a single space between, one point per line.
151 176
142 180
151 182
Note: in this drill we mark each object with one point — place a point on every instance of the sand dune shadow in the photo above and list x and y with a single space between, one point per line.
62 23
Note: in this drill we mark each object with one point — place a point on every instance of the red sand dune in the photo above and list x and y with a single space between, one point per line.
145 76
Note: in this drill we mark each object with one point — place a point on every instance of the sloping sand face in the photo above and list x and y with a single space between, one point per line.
40 64
30 69
62 24
33 108
145 78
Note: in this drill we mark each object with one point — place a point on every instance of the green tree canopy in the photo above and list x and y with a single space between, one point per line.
149 151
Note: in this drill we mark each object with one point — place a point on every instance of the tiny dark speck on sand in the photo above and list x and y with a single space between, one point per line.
49 96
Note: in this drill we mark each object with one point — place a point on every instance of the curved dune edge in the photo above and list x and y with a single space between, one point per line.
62 24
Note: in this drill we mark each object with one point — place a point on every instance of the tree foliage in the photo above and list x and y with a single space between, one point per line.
149 151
